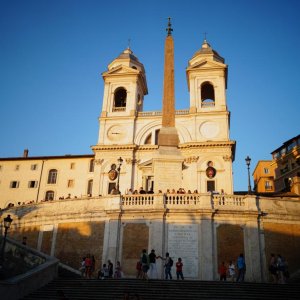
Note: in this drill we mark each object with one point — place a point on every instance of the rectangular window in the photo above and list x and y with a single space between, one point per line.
92 164
111 185
14 184
266 170
210 185
17 168
32 184
268 185
72 166
70 183
33 167
0 168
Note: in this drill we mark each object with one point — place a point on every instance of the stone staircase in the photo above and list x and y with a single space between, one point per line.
128 289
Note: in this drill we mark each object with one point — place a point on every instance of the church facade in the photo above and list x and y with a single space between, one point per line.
66 205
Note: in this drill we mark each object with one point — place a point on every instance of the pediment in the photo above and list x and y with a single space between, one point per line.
147 163
121 69
207 64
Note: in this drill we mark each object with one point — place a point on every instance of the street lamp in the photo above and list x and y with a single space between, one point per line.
248 160
120 161
7 222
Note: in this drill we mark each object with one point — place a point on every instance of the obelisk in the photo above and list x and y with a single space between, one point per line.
168 134
167 163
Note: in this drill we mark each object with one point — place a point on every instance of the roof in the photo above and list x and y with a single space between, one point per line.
286 143
207 49
127 53
47 157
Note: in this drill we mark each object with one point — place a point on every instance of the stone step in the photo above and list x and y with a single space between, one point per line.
161 289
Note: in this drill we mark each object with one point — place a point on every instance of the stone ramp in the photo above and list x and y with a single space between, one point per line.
74 289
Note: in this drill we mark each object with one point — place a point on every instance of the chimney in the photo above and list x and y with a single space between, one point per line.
25 153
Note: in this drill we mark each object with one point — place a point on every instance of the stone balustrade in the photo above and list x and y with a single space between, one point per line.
159 113
96 206
185 201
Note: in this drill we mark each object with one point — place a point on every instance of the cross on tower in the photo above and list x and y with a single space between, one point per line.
169 29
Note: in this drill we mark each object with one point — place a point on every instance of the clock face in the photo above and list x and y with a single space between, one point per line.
209 129
116 133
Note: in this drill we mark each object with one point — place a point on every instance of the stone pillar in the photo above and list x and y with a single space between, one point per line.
110 246
207 250
155 242
252 252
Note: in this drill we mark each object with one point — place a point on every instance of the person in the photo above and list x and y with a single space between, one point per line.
273 268
82 267
110 269
179 266
231 271
222 271
88 266
114 191
281 269
142 191
145 264
168 266
103 273
153 269
241 266
93 265
139 272
24 241
118 271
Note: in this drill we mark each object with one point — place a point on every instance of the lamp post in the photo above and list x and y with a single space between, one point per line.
120 161
7 222
248 160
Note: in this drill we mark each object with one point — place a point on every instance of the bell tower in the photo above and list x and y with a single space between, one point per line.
207 80
124 89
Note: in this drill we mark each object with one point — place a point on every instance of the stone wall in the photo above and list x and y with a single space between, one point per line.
76 240
135 238
230 243
283 239
213 229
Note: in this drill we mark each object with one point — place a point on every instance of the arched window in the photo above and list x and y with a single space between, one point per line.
90 187
49 195
156 136
120 99
52 176
207 95
148 139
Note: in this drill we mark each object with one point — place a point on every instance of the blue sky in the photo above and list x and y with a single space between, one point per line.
52 54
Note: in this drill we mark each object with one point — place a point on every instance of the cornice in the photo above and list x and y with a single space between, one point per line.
206 144
114 147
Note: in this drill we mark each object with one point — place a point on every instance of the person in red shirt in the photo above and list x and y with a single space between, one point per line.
223 271
88 266
179 266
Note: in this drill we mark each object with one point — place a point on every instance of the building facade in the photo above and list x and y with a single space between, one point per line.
127 131
263 176
286 163
203 227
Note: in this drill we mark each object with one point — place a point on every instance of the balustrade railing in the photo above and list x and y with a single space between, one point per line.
138 200
159 113
116 109
228 200
182 199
